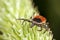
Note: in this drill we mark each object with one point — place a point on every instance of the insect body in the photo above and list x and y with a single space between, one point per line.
40 21
37 20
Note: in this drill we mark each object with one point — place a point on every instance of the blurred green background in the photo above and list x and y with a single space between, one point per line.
51 10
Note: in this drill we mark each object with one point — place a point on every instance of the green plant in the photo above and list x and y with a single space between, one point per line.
12 29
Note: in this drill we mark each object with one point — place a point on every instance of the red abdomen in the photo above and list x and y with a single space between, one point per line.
39 19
